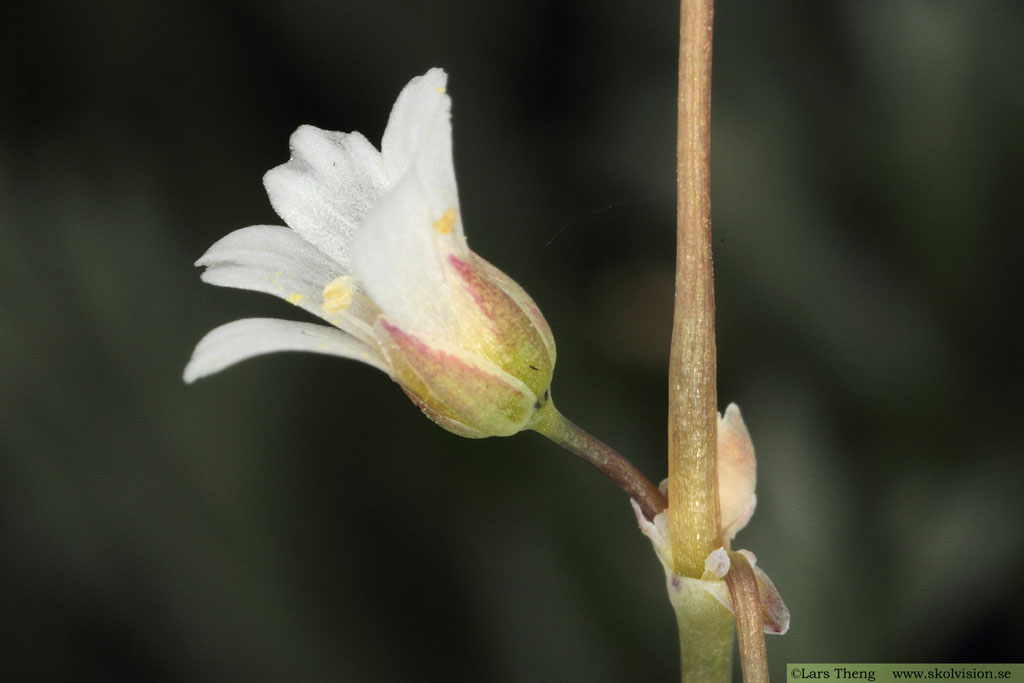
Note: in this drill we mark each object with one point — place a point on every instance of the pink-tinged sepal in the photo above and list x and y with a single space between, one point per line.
501 323
459 390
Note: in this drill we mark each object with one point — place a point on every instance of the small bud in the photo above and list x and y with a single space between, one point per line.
737 473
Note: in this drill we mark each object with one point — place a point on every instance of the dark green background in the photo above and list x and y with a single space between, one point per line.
296 518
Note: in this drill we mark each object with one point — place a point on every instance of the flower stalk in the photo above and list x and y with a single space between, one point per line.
552 424
746 599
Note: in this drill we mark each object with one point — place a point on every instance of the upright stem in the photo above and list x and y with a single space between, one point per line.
705 627
705 636
693 412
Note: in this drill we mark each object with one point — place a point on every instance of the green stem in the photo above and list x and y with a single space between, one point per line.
556 427
692 409
705 636
705 627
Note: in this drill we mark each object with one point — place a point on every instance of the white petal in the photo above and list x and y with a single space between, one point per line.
323 192
242 339
276 260
419 137
272 247
400 259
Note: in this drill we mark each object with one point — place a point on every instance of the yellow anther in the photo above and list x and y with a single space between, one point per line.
338 295
446 222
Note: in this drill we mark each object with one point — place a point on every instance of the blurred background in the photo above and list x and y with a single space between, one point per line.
296 518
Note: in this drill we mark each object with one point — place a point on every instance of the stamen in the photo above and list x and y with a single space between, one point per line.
338 295
446 222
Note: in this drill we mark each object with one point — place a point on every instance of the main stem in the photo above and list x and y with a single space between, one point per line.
705 627
693 411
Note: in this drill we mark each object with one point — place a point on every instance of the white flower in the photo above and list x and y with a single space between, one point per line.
375 247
